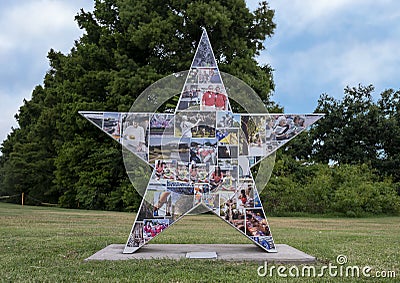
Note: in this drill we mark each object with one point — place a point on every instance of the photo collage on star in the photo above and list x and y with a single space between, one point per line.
202 153
201 157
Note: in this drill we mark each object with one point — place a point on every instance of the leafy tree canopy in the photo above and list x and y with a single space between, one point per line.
355 130
56 156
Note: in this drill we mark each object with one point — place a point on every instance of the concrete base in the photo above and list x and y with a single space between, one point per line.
229 252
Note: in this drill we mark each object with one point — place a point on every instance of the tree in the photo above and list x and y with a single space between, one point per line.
127 45
348 132
389 106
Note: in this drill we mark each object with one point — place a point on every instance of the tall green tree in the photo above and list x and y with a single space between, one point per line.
127 45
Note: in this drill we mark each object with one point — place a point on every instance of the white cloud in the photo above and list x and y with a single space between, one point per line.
328 67
323 16
34 23
322 46
297 16
29 29
8 108
370 62
252 4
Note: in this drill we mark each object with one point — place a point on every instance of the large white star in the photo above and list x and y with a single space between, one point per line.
201 155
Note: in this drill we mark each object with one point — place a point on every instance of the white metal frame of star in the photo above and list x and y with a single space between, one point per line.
200 156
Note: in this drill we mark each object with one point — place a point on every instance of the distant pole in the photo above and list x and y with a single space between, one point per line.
22 199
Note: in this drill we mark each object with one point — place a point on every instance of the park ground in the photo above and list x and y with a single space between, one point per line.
42 244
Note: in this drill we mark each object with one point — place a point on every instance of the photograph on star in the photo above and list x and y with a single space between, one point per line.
229 211
96 118
191 96
199 172
211 200
200 191
245 194
203 91
165 169
203 151
112 124
135 133
204 56
168 148
182 173
162 125
256 223
227 136
153 227
195 124
136 238
227 119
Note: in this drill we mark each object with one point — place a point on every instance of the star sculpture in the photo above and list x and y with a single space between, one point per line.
200 156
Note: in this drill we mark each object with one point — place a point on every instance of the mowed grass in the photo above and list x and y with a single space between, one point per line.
50 244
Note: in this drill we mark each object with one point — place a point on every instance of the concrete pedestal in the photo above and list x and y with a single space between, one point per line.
229 252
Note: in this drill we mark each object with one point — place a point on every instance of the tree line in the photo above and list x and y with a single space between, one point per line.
55 156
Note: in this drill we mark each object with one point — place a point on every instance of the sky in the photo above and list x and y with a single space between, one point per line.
318 47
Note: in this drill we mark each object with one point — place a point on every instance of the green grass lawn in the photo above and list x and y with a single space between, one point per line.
50 244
